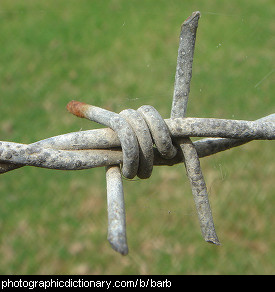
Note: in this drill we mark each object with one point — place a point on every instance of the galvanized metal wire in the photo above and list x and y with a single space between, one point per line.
137 140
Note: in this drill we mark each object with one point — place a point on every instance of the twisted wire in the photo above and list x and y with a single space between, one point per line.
102 147
138 131
138 140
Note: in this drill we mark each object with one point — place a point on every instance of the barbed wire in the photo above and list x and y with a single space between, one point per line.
140 139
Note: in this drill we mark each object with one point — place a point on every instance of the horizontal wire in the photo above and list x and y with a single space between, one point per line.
100 147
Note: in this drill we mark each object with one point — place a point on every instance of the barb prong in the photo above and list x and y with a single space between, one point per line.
179 106
116 210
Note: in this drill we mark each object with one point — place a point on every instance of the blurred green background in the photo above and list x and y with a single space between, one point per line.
122 54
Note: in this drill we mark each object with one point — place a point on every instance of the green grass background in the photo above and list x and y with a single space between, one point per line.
121 54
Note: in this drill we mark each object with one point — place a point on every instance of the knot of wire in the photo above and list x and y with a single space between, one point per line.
139 132
139 139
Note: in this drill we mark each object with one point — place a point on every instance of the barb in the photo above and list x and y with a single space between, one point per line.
184 65
140 139
179 107
116 210
115 195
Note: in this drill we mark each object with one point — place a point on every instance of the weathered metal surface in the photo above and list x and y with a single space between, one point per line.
139 139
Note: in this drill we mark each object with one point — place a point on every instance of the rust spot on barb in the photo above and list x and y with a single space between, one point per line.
192 16
77 108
